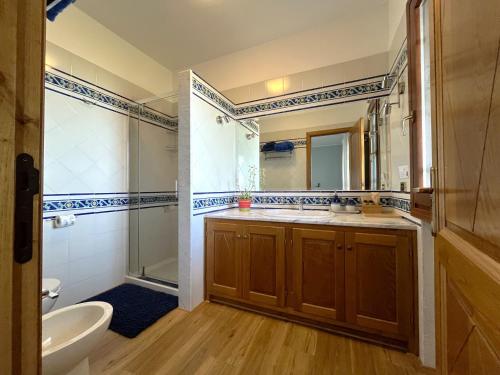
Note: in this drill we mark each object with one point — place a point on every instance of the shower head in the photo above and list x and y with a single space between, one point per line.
221 119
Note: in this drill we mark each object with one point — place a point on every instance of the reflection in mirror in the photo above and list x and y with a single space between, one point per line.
328 160
340 147
247 158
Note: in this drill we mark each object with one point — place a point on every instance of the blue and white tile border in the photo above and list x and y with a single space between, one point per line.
86 204
209 202
66 84
362 89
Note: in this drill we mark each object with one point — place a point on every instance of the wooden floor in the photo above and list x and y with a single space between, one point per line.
216 339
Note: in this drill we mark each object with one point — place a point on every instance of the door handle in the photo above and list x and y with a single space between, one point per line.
27 186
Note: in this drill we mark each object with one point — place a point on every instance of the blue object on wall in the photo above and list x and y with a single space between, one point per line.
283 146
55 7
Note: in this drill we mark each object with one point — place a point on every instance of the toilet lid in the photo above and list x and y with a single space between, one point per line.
51 284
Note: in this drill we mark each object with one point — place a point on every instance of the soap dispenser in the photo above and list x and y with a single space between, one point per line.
336 204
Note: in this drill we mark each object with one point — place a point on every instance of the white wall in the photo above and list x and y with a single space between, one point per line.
82 35
346 39
87 156
85 151
213 149
347 71
208 162
396 17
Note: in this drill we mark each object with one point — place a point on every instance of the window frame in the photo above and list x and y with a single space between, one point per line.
421 197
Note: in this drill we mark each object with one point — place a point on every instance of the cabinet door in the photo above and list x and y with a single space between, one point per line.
223 259
378 282
264 264
318 261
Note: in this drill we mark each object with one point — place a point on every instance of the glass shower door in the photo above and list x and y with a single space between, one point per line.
153 184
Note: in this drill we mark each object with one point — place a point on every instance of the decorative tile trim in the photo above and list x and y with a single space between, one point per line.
85 203
400 62
400 204
292 198
51 206
212 95
84 90
315 98
214 202
333 94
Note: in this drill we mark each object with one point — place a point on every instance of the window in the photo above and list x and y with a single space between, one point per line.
419 63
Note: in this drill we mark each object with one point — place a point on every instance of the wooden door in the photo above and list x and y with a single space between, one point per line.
264 264
356 155
22 40
318 272
223 264
466 100
378 282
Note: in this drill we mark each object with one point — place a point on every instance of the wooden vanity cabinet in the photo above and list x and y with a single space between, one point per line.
223 259
318 272
355 281
378 284
263 264
246 262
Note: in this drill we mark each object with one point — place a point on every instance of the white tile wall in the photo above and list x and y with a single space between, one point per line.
213 148
86 147
89 257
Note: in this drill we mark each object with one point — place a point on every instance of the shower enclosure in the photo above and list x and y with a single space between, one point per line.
153 227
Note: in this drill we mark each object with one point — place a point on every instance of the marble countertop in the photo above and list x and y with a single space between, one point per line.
315 217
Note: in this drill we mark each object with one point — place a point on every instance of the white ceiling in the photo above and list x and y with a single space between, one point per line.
181 33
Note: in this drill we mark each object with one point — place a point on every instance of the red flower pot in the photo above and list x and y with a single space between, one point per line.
244 204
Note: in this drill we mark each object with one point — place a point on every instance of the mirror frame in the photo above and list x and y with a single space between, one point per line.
309 137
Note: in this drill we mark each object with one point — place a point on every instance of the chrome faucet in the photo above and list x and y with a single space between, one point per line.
301 203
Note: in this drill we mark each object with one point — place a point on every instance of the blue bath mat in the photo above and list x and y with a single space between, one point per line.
135 308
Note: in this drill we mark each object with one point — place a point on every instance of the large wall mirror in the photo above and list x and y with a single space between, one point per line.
348 146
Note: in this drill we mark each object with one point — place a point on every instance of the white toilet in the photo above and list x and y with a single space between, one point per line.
51 288
70 334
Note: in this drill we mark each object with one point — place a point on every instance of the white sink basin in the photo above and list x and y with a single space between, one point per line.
70 334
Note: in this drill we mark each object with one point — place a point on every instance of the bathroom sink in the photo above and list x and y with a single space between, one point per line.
305 214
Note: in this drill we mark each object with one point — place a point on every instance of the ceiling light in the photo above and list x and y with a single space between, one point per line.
278 86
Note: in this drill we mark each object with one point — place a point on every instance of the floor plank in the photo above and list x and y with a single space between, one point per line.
217 339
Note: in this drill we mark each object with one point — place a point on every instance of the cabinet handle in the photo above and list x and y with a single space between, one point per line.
349 247
245 236
238 236
339 246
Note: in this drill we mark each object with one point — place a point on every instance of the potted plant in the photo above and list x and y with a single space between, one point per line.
245 200
245 197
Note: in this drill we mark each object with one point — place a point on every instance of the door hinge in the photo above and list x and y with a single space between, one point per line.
27 186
